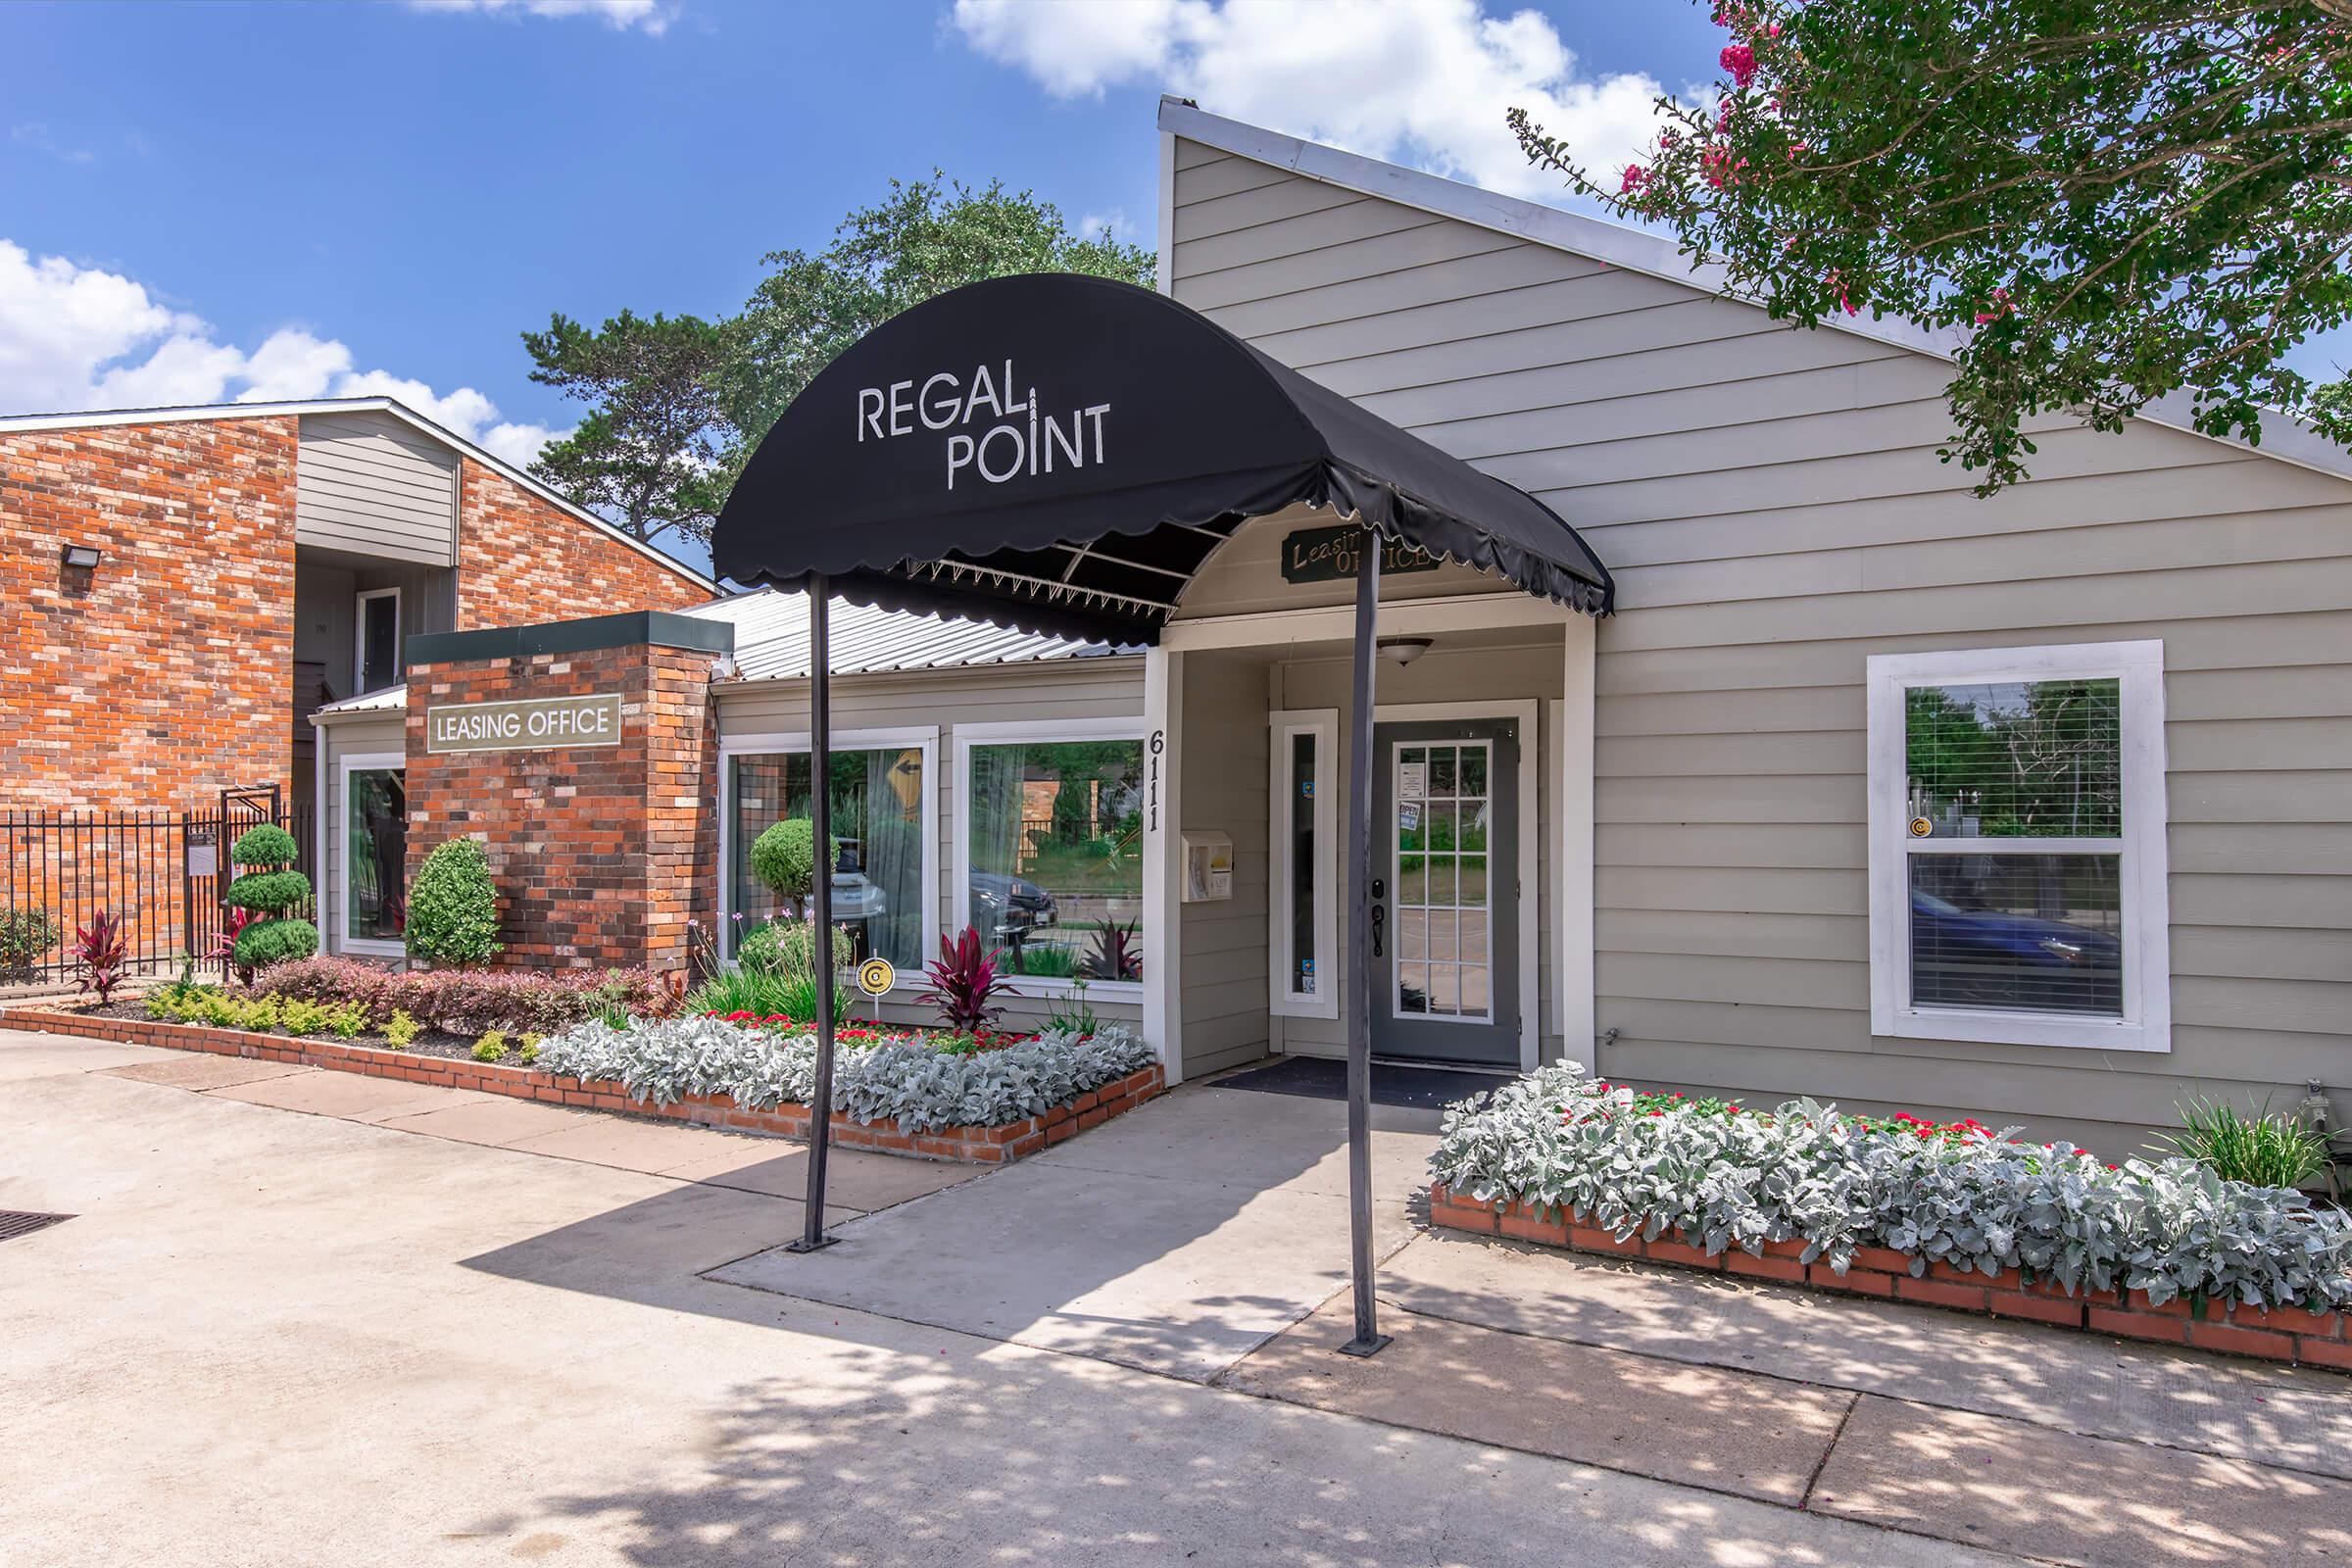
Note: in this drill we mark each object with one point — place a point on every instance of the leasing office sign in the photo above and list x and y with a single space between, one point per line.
525 724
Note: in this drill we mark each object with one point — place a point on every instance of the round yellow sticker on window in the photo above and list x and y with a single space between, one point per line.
1921 827
875 976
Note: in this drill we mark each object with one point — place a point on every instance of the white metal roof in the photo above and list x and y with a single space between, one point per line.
771 638
376 405
771 642
391 700
1635 250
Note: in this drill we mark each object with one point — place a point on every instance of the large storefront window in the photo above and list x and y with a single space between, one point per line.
1053 857
375 856
877 807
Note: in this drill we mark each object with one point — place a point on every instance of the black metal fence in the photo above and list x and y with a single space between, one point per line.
161 874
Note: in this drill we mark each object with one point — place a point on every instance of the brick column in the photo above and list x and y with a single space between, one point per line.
602 853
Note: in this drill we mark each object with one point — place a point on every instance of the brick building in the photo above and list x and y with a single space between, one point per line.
183 587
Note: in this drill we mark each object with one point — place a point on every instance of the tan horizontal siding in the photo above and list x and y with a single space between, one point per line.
1773 505
368 483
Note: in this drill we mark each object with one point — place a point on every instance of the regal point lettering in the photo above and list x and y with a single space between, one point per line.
593 720
990 437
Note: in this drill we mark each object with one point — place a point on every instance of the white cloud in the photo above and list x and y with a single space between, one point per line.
78 337
35 135
1417 81
647 15
1108 224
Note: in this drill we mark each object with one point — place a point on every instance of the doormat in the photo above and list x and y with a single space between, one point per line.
1322 1078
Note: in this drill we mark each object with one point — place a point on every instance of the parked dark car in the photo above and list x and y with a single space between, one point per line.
1007 908
1994 958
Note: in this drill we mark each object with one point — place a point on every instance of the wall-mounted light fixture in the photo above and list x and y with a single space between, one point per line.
84 557
1402 649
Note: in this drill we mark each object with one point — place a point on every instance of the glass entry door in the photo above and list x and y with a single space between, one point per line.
1445 893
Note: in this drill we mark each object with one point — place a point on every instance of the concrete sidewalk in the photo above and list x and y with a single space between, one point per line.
275 1339
1204 1238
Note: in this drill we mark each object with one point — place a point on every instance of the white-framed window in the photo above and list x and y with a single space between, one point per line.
376 641
371 877
1303 823
2016 846
885 818
1049 839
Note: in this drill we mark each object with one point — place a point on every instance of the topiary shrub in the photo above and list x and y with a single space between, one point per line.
784 859
268 942
453 906
268 891
265 845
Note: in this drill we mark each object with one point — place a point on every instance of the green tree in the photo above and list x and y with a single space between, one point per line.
2105 201
925 238
646 455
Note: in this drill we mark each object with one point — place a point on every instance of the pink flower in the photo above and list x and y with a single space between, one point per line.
1741 62
1634 176
2000 308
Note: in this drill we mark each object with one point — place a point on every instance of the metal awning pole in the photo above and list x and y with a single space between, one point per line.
1363 981
820 845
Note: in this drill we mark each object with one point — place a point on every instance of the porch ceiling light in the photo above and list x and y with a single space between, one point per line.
84 556
1403 649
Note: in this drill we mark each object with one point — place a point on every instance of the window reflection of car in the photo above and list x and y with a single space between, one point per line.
1007 908
1997 959
855 895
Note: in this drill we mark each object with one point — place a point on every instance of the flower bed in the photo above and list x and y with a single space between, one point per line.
1960 1210
905 1078
1011 1139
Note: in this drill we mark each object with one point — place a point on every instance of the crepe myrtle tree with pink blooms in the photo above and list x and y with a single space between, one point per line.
2103 202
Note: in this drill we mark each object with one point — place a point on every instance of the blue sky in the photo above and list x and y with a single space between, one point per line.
201 202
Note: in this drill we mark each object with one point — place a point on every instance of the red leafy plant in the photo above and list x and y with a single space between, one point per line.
224 951
1118 955
99 953
965 981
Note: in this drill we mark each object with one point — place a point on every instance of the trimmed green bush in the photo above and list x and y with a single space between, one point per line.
783 858
270 894
265 845
268 942
267 892
453 906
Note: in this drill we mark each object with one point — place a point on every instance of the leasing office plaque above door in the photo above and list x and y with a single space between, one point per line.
526 723
1336 554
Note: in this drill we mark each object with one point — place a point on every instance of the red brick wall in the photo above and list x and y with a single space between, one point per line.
522 561
167 673
602 853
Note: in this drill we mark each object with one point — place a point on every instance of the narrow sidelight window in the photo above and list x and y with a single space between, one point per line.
2016 846
1302 830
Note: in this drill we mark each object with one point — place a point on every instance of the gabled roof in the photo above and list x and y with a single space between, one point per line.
1635 250
12 424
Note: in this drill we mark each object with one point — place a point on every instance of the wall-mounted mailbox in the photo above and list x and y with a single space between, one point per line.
1207 866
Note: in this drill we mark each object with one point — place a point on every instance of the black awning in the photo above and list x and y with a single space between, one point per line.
1063 453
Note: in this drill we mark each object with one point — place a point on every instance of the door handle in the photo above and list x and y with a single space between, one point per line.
1380 919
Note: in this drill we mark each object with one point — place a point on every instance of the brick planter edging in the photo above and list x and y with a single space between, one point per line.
978 1145
2275 1334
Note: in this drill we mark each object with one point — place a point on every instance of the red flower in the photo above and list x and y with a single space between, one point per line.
1739 61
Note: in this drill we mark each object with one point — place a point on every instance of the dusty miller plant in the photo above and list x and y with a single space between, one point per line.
1805 1172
